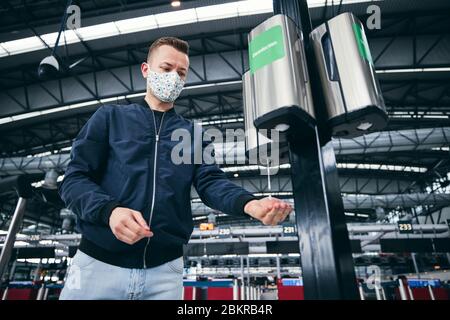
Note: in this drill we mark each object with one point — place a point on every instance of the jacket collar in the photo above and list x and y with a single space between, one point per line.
143 103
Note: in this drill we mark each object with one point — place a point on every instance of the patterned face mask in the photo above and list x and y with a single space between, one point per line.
165 86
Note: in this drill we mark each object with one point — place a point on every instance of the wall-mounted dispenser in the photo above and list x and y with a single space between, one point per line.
259 149
354 101
278 72
253 139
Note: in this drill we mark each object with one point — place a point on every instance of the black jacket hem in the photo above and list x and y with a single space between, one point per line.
158 254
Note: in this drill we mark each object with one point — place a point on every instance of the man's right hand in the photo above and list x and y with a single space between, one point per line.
128 225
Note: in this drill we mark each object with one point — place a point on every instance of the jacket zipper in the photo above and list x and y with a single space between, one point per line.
157 133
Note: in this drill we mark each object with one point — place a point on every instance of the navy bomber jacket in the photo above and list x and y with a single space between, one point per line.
116 160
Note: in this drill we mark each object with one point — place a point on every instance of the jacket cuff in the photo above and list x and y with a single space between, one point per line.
240 203
106 210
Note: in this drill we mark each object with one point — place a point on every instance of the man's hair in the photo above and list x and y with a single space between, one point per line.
176 43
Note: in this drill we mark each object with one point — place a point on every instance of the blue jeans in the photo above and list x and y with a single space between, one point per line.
91 279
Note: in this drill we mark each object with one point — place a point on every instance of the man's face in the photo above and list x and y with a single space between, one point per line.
167 59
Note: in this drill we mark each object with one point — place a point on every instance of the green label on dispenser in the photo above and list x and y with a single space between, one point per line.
363 46
266 48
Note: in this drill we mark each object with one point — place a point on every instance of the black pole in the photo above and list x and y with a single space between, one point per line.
326 257
24 191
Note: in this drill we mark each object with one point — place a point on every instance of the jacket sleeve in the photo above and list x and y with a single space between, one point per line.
79 189
218 192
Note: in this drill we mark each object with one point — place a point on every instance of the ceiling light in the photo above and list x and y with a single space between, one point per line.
165 19
321 3
175 18
136 24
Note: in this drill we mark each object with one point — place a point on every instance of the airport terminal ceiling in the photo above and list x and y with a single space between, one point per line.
399 173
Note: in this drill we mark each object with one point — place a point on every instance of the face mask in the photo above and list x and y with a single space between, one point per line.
165 86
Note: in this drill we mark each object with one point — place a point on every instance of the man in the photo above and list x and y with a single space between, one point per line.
132 201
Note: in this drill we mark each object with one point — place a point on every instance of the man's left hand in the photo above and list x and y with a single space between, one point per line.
269 210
